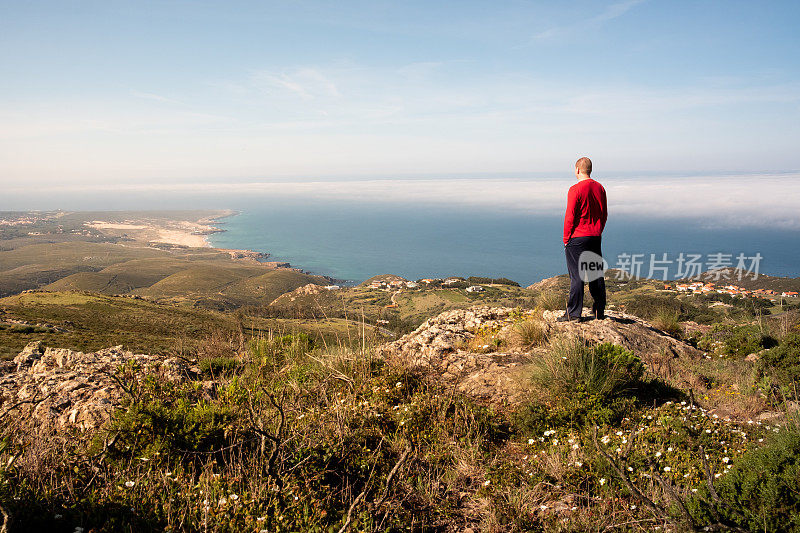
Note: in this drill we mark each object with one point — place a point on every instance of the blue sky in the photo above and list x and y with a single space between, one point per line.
176 91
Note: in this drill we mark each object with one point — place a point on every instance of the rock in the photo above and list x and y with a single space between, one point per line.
441 348
67 387
29 355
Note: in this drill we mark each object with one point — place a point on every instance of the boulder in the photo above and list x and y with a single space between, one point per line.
442 347
67 387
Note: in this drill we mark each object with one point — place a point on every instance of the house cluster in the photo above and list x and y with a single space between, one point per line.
393 284
24 220
699 287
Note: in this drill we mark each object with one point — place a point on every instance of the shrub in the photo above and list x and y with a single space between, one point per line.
760 492
606 370
727 339
782 363
586 383
666 320
551 300
530 333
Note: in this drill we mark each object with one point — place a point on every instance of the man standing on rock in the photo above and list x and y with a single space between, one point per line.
583 226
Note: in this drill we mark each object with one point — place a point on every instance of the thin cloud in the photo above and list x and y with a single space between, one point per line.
611 12
154 97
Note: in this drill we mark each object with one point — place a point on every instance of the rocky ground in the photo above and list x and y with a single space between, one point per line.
82 389
444 346
65 387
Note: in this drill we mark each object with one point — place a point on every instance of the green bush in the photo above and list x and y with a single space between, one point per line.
760 493
736 340
586 383
782 363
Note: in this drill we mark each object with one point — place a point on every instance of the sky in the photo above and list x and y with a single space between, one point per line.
107 93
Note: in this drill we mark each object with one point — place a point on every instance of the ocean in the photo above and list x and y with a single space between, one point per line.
352 241
494 226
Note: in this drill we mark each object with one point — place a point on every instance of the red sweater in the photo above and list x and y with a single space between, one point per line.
586 210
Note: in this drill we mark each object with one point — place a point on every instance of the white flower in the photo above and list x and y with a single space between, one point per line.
486 483
555 442
725 459
531 441
658 454
234 497
633 507
619 433
543 507
398 384
602 481
578 464
667 469
630 469
130 484
669 449
606 439
223 501
575 446
58 516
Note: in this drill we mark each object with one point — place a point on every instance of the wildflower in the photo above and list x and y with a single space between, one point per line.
574 508
543 507
602 481
130 484
58 516
667 469
630 469
555 442
486 483
633 507
578 464
575 446
167 473
669 449
619 433
725 459
531 441
658 454
606 439
398 384
78 529
234 497
223 501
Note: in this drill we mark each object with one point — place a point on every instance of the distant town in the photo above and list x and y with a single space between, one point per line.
700 287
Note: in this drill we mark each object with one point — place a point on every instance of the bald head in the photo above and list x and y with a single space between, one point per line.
584 166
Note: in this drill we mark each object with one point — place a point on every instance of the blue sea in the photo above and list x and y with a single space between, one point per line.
500 226
352 241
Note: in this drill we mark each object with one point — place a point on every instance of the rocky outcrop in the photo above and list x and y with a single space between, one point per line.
66 387
444 347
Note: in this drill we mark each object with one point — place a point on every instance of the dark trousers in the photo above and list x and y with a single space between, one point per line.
597 288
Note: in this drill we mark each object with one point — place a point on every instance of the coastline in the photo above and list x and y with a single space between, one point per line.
164 230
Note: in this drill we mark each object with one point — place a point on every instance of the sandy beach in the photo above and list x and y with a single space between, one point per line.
191 233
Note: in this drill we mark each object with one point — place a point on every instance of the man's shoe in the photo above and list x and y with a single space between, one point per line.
599 316
567 318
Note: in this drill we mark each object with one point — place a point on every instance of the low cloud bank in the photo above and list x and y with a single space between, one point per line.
719 201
